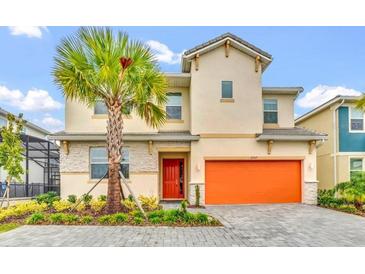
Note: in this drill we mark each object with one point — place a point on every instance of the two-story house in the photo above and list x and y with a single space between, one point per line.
35 171
224 132
344 153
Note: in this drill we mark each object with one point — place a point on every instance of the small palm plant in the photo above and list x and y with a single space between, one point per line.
97 64
354 190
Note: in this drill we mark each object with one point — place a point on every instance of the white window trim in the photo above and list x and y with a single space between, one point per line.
356 157
4 119
363 117
181 105
277 109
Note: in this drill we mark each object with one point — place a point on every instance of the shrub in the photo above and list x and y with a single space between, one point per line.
149 203
348 208
197 196
201 218
70 218
35 218
62 218
106 219
155 214
86 199
173 212
326 197
97 205
183 206
136 213
22 209
56 218
138 220
47 198
170 219
80 207
189 218
86 219
72 198
102 198
130 205
120 217
354 190
156 220
62 205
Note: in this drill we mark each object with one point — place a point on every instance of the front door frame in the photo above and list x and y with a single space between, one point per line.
173 155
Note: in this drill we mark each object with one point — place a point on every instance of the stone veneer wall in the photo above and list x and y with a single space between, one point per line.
140 160
310 193
191 192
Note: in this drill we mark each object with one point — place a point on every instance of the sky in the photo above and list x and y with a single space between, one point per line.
325 61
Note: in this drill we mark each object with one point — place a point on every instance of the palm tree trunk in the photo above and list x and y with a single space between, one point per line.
114 144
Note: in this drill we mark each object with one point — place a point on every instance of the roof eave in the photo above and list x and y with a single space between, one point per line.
186 58
290 138
134 137
326 105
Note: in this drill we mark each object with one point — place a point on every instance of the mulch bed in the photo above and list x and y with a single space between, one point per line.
358 213
21 220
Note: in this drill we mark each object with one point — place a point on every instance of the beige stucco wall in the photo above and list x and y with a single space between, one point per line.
322 122
285 109
209 114
80 118
249 148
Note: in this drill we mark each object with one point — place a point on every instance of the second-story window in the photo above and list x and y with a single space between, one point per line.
356 119
100 108
270 111
173 106
227 89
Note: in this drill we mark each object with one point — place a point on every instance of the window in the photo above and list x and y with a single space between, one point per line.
173 106
270 111
227 89
355 165
357 119
3 122
99 162
100 108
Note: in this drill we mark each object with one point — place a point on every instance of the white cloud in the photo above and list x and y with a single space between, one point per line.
28 31
322 93
163 53
48 120
34 100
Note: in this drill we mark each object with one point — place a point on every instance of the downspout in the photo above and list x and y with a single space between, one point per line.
335 142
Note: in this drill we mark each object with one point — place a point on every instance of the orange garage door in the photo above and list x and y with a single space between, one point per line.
250 182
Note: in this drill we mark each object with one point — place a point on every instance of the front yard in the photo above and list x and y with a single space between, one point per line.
49 209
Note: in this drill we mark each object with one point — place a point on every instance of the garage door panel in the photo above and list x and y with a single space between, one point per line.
240 182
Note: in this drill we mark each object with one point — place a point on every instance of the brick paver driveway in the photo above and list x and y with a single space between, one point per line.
250 225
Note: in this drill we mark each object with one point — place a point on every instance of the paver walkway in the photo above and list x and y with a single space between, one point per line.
244 225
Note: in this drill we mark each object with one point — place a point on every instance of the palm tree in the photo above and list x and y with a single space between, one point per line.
97 64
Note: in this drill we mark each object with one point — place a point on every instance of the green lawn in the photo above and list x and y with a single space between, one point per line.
7 227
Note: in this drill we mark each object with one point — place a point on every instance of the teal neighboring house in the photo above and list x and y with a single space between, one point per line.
344 152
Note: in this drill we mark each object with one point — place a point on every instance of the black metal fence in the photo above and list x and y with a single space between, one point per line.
23 190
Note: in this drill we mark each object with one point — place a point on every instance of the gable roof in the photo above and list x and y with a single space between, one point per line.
326 105
236 42
28 124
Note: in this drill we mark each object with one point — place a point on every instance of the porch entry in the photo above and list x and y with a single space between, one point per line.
173 180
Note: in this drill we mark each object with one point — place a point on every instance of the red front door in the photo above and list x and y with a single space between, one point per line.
173 178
